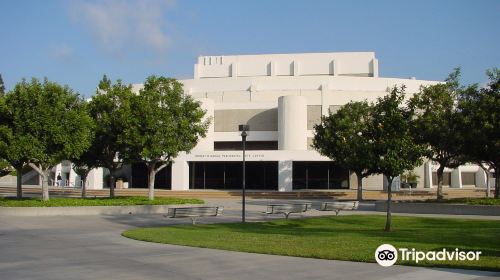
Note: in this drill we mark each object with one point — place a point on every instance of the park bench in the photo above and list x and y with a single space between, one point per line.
194 212
287 209
337 206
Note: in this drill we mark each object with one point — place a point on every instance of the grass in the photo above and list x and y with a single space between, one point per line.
100 201
469 201
352 238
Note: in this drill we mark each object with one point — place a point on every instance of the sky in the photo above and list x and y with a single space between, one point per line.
75 42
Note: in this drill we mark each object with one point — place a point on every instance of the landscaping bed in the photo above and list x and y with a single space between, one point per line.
99 201
351 238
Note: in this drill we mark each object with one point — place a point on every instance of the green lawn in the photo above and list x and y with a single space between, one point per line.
100 201
469 201
352 238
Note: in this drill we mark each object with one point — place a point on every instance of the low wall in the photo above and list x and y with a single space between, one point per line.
86 210
439 208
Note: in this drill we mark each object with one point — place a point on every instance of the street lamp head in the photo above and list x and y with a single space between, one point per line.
243 127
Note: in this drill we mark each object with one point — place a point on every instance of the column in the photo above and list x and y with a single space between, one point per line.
292 123
180 175
428 175
456 178
285 176
94 179
481 178
374 67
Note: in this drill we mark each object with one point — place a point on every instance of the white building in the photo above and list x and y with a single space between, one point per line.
281 97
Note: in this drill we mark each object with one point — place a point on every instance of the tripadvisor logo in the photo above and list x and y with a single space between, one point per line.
387 255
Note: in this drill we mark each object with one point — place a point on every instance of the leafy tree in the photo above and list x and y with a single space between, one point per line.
437 124
83 164
2 86
52 123
393 143
111 112
481 107
165 121
15 145
343 138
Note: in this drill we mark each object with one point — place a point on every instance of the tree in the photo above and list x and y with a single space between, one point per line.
392 141
165 121
480 107
52 123
16 146
111 112
438 124
83 164
2 86
343 138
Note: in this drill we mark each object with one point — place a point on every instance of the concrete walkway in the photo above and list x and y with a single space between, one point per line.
91 247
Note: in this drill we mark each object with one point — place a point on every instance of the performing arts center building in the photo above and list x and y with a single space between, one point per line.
281 97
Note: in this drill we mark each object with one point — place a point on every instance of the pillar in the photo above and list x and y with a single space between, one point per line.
292 123
94 179
285 176
481 178
456 178
180 175
374 67
428 175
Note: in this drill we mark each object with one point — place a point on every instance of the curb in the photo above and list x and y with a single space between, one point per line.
87 210
439 208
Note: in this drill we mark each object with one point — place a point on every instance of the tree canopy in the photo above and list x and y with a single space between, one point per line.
481 107
48 124
164 122
343 138
393 142
438 124
110 108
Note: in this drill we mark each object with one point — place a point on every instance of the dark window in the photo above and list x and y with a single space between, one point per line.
249 145
446 178
319 175
229 175
163 179
468 178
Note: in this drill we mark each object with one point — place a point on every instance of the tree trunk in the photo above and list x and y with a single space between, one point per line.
151 181
360 187
45 185
388 221
84 186
19 184
44 173
440 195
111 184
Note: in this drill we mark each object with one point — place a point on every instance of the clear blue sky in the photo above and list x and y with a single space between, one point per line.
76 42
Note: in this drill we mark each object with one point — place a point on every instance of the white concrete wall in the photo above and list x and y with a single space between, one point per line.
207 143
300 64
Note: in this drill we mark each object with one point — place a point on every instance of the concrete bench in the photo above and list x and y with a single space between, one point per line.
287 209
337 206
195 212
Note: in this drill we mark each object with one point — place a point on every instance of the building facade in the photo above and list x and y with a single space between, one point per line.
281 97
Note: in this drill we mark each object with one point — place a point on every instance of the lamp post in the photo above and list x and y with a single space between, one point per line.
243 128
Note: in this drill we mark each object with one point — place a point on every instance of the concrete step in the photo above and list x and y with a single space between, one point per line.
305 194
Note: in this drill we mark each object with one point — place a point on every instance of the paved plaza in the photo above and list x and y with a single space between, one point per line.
91 247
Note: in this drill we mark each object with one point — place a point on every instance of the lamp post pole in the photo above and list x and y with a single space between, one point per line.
243 128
